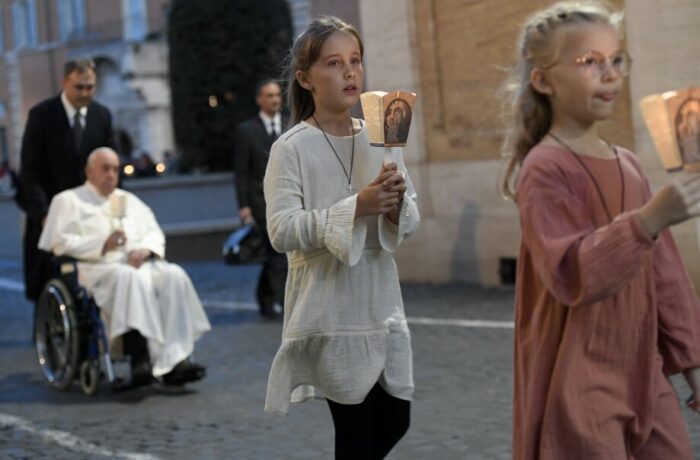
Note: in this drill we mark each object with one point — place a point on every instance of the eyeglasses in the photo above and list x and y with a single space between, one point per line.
81 87
594 63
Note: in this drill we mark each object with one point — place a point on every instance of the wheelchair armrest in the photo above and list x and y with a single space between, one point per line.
59 260
66 268
64 264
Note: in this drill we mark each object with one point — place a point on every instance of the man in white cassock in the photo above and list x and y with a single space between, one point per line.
120 251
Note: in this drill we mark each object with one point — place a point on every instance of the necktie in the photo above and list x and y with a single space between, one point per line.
77 131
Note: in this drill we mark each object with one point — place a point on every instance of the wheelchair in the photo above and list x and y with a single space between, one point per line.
69 334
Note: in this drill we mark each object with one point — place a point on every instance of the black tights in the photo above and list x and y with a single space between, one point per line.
369 430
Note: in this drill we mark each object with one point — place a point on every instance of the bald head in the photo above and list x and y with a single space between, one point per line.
102 170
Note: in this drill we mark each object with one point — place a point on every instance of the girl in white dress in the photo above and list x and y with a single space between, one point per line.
339 213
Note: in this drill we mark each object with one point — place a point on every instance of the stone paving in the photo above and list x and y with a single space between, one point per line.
461 410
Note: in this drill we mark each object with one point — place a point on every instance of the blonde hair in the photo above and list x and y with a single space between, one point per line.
529 112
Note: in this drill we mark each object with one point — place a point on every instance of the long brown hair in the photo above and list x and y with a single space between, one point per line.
539 44
304 53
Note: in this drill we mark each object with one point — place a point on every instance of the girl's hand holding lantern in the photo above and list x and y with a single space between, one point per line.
396 183
383 194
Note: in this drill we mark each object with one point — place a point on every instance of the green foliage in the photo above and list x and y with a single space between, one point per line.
219 50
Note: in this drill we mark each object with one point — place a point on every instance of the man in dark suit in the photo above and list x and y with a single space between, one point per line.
253 139
60 133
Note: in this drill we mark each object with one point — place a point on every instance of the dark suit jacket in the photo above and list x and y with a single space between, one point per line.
51 164
252 150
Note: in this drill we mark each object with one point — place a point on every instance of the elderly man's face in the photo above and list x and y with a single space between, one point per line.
79 88
103 172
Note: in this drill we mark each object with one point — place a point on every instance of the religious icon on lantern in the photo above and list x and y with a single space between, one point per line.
388 118
688 130
397 121
673 120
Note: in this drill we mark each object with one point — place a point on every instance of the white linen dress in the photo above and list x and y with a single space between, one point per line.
344 325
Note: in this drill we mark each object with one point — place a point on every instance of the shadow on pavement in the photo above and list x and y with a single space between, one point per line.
31 388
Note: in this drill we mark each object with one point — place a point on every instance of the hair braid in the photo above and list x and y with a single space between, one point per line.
529 113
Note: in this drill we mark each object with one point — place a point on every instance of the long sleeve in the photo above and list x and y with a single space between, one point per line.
241 166
578 263
62 234
293 227
677 305
148 233
678 308
108 134
34 199
390 234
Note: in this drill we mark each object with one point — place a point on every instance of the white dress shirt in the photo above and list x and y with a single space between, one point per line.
272 123
70 111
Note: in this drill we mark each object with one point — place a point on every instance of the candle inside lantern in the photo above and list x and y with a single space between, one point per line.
118 204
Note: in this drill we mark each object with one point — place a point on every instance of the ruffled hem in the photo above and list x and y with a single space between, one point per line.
342 366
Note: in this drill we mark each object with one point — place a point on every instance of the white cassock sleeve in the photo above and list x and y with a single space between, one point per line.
143 231
62 233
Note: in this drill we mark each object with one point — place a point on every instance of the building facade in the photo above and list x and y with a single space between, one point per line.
126 39
452 53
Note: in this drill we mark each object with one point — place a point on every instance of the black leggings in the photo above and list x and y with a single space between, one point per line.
369 430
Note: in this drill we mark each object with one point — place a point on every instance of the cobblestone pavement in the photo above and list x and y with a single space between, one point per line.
462 405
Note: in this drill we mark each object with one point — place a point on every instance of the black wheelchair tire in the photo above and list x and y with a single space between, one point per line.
90 376
57 300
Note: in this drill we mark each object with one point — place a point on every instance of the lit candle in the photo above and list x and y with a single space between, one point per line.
118 204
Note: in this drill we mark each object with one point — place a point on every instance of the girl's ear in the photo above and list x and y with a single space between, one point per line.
301 77
539 81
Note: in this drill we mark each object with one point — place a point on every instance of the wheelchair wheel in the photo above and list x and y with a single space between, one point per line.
57 334
90 376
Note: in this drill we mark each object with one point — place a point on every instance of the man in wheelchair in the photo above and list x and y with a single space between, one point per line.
120 251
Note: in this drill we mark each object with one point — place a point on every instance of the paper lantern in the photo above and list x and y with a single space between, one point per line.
673 120
388 117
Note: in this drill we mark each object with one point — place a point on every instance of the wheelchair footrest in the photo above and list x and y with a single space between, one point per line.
129 376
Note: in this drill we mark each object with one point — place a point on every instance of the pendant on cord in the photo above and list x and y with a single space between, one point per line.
349 187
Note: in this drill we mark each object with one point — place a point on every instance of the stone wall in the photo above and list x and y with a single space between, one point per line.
453 54
662 39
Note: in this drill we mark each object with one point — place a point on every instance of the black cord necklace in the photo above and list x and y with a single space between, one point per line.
352 157
595 182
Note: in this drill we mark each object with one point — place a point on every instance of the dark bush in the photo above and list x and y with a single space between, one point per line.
219 50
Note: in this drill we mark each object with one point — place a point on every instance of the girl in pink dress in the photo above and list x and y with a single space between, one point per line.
605 310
